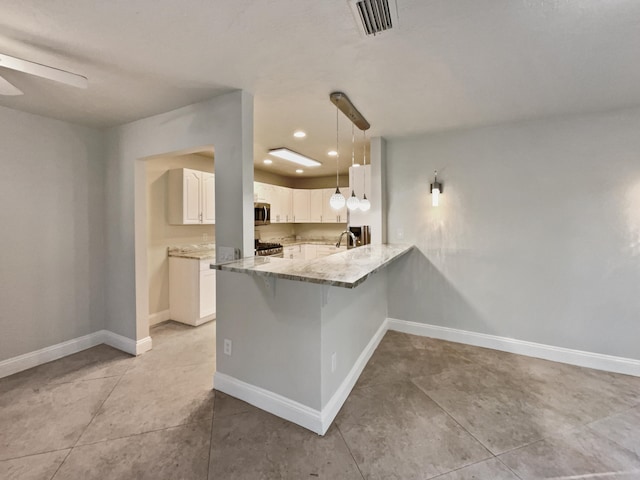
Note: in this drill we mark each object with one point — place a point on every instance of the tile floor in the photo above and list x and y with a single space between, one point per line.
422 409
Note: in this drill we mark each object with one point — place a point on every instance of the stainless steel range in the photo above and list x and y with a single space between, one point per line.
269 249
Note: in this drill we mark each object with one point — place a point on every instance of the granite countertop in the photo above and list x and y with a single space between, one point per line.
291 243
204 251
345 269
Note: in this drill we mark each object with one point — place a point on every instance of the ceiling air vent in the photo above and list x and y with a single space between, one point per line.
373 16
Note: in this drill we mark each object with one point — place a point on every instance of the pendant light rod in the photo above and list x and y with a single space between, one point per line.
341 101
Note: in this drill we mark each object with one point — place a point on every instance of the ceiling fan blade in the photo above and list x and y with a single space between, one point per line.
43 71
7 88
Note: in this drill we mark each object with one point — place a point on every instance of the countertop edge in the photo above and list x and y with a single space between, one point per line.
310 279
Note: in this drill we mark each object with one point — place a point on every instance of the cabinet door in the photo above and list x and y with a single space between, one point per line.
329 215
286 204
192 181
208 198
301 205
315 201
259 192
207 293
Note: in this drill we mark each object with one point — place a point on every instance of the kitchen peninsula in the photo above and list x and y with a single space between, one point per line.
296 334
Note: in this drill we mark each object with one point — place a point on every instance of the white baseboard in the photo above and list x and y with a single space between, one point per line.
333 406
75 345
283 407
126 344
598 361
159 317
48 354
280 406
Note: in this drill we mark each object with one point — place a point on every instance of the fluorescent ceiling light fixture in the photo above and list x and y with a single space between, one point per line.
267 161
294 157
299 134
332 153
299 170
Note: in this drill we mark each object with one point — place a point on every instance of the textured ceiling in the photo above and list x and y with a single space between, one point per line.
448 64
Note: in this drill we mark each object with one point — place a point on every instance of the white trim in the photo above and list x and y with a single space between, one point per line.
598 361
333 406
126 344
159 317
48 354
307 417
271 402
75 345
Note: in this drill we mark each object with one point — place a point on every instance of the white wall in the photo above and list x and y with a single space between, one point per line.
224 123
160 233
537 236
52 241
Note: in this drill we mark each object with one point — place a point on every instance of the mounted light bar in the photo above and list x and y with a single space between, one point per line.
341 101
291 156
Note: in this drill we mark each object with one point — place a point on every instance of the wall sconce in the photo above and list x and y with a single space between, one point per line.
436 190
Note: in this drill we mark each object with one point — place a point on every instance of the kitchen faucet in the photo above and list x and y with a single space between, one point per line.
350 233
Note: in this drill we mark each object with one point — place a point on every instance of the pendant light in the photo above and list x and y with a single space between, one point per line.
353 203
365 204
337 200
436 190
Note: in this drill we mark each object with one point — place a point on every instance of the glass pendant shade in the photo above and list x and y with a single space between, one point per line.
353 203
365 204
337 200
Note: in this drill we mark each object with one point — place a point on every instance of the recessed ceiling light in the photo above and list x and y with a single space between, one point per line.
299 134
294 157
332 153
299 170
267 161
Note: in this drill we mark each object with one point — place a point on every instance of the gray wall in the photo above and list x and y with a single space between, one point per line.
538 233
52 217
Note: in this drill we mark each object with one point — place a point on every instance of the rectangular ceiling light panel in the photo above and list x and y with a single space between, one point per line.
294 157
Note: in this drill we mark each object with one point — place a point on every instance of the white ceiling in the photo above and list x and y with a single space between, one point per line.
449 64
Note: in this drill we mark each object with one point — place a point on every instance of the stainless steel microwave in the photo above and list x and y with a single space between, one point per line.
261 213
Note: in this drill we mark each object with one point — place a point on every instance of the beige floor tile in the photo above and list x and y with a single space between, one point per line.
101 361
623 429
33 467
226 405
176 345
578 454
492 469
50 418
172 454
391 364
396 431
147 401
257 445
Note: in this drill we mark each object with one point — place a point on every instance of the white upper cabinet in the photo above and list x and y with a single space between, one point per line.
315 209
191 197
208 198
329 215
301 206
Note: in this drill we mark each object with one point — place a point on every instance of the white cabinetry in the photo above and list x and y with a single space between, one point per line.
329 215
315 203
301 205
293 252
191 197
192 290
283 197
326 250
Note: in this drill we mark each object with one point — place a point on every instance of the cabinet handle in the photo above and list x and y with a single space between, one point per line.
200 217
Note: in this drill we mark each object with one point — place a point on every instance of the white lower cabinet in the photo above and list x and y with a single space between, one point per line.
192 290
326 250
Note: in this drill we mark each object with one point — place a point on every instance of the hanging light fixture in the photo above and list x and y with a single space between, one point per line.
353 203
436 190
365 204
337 200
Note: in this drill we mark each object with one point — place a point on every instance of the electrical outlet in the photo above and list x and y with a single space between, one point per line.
334 362
227 346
